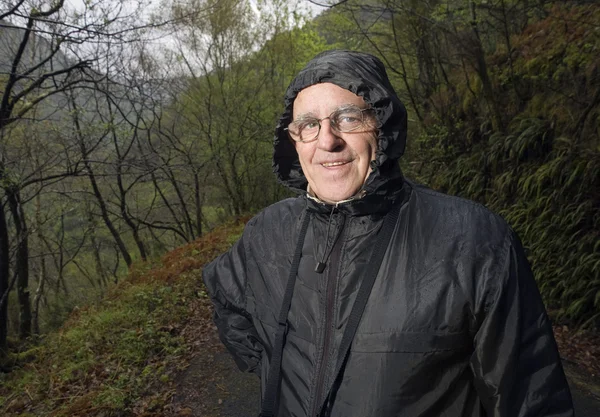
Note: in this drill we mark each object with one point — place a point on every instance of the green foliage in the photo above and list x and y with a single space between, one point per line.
103 351
555 64
541 171
547 189
107 355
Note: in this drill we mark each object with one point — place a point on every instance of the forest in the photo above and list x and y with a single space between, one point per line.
128 129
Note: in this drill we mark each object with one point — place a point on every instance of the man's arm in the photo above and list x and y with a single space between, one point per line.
225 280
517 368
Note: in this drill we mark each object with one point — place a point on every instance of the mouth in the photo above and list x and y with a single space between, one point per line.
334 164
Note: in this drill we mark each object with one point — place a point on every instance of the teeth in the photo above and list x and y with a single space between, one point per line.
332 164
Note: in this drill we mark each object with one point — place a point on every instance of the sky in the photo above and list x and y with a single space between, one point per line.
313 7
160 41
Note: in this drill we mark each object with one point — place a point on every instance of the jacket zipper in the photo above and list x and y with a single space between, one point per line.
334 266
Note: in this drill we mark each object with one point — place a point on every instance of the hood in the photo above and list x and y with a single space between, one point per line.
364 75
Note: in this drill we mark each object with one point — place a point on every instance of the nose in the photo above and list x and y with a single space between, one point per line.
328 139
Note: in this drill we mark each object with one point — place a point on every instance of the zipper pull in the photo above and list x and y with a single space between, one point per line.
320 266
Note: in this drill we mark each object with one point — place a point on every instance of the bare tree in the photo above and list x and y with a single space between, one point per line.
49 48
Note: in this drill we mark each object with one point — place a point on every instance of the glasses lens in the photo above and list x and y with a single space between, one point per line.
303 130
347 119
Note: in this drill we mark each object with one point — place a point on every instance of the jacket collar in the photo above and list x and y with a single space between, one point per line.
385 195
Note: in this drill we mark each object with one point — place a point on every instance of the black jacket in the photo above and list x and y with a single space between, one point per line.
455 325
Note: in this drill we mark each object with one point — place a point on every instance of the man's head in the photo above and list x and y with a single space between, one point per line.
335 137
341 161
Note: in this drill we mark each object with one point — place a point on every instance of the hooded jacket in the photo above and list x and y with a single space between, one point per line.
454 325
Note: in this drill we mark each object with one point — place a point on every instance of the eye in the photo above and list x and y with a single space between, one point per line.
308 124
348 119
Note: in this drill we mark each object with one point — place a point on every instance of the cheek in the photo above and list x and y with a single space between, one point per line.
372 145
304 154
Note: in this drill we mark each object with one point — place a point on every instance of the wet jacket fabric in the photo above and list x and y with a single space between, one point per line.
454 325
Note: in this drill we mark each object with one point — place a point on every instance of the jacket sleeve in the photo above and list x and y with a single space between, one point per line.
225 279
517 368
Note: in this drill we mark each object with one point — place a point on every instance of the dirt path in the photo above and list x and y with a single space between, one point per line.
212 386
585 390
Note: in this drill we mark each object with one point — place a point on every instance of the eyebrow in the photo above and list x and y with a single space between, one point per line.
307 115
311 115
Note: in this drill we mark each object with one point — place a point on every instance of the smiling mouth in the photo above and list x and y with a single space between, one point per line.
334 164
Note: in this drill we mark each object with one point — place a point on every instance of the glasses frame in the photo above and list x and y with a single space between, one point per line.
333 124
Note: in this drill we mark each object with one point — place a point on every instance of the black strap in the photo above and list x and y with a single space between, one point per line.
361 300
272 388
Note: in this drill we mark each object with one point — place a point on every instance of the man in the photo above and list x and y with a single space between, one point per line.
453 324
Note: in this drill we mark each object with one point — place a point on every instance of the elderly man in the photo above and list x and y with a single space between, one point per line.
368 295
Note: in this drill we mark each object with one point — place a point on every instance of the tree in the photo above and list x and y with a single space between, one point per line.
50 49
239 62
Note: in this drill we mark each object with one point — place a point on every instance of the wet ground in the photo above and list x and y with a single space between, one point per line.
585 390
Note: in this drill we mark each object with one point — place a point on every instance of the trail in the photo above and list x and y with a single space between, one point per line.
212 386
585 390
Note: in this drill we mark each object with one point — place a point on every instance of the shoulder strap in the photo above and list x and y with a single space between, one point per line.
272 388
361 299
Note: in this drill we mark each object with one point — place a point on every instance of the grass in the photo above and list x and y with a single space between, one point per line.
107 357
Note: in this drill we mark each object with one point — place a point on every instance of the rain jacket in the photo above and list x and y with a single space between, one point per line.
454 325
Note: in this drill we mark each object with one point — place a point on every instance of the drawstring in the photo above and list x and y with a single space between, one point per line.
320 266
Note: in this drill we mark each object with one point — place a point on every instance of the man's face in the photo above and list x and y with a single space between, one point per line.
336 165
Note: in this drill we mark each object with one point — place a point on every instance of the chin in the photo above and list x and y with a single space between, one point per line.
335 196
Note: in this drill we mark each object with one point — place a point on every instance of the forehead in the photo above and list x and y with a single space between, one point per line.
322 99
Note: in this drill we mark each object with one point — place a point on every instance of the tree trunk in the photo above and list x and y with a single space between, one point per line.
104 212
4 279
42 276
100 271
125 215
482 71
100 199
198 205
38 297
22 263
60 266
181 197
403 74
122 191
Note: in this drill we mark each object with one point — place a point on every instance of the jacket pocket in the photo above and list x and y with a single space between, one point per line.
408 342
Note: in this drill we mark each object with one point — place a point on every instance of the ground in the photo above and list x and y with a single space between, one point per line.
579 348
211 385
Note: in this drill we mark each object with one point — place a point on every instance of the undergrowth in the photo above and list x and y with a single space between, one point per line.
108 355
541 172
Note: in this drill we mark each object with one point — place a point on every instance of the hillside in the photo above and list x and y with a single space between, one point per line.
540 170
121 356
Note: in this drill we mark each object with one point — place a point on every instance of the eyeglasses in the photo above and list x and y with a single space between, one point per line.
343 120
